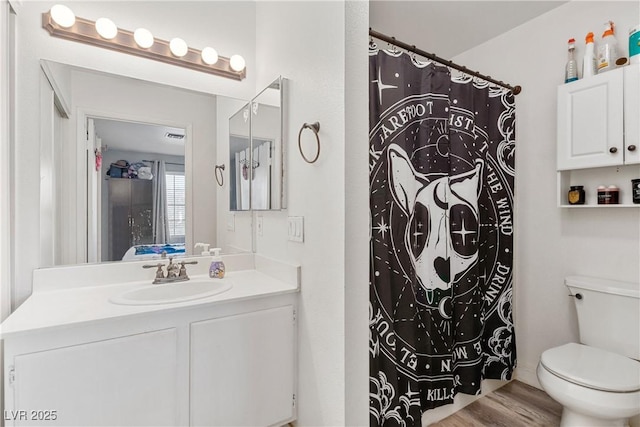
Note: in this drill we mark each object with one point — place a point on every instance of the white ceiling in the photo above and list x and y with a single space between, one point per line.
448 28
139 137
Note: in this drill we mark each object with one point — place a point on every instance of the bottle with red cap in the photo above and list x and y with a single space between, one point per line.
571 70
608 50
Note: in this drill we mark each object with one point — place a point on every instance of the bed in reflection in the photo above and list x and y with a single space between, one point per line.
142 252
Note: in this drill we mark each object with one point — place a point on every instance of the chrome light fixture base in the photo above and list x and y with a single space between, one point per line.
84 31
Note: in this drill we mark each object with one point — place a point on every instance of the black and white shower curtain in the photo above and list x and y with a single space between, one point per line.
441 164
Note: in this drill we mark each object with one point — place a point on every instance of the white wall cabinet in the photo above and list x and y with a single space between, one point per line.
632 114
598 134
220 365
598 120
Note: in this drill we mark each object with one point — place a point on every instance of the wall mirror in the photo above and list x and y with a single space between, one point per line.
239 160
256 150
130 170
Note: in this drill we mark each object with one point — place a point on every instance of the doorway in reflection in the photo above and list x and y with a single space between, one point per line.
139 188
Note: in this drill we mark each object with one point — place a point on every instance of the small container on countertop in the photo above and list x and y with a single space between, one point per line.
635 190
608 195
576 195
216 268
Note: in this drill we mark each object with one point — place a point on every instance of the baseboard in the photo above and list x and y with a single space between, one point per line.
527 374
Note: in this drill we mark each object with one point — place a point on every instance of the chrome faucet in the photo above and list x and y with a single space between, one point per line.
175 272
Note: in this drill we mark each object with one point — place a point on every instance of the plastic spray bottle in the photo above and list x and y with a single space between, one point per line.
589 67
571 70
608 49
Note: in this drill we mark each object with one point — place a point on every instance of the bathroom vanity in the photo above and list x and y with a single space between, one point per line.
73 357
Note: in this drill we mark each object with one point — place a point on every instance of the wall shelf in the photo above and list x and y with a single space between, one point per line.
600 206
590 179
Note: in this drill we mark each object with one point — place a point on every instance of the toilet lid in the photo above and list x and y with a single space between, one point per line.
593 367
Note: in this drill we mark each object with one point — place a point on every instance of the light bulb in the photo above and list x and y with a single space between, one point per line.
63 16
237 63
106 28
143 38
178 47
209 55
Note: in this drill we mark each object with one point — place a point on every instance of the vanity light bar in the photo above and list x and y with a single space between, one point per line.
84 31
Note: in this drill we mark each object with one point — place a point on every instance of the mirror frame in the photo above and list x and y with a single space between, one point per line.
246 107
281 82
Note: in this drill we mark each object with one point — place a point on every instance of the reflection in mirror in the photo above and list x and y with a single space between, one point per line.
239 160
84 220
143 192
267 148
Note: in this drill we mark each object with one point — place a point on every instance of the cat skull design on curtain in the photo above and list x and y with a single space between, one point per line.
440 249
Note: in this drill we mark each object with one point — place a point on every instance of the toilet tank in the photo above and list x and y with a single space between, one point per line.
608 313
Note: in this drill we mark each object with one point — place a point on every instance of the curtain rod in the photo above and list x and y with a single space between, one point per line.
166 163
411 48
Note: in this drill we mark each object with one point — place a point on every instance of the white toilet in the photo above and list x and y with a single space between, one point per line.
598 381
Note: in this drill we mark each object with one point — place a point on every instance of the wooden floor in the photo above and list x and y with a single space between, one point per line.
514 405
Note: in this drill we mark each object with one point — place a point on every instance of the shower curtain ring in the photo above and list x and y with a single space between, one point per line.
219 176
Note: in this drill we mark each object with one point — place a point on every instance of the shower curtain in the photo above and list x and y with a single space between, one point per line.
441 164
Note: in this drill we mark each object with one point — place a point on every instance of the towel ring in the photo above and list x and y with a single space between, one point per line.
315 127
220 180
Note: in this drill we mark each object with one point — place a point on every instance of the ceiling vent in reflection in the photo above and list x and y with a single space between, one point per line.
174 136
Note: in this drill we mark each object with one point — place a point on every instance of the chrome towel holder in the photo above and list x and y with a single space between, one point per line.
219 175
315 127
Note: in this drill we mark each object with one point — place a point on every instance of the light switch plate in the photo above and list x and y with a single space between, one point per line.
295 228
259 226
231 222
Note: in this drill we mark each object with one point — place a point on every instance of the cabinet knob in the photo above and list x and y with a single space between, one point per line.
613 150
631 148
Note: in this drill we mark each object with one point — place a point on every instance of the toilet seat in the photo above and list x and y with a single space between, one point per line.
593 368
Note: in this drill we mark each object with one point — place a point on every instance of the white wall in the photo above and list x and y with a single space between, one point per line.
356 196
552 243
227 25
306 42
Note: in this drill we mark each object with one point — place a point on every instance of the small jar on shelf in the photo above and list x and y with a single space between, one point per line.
608 195
635 190
576 195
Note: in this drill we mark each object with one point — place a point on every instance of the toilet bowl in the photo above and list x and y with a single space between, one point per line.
596 387
598 381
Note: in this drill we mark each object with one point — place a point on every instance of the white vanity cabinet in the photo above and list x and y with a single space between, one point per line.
130 380
229 361
598 120
241 369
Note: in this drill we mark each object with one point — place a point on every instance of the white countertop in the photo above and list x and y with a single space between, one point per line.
76 305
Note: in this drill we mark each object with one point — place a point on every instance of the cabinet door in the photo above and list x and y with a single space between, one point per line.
141 211
590 122
632 114
242 369
128 381
119 233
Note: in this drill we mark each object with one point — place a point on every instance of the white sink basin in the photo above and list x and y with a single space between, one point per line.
171 293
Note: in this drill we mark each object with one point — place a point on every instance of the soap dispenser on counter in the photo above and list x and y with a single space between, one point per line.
205 248
216 269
